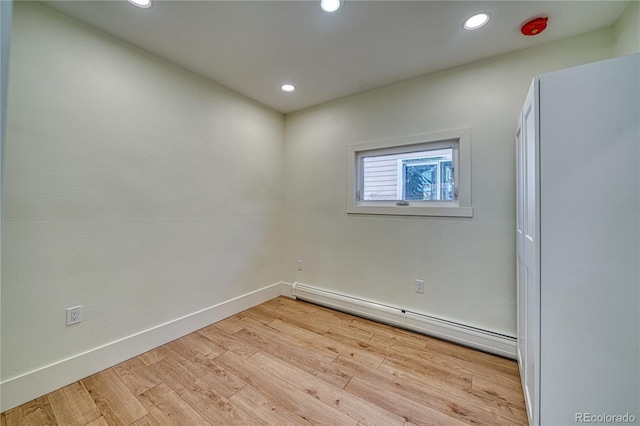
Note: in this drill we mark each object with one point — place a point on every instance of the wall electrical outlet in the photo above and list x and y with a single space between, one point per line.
419 286
300 265
74 315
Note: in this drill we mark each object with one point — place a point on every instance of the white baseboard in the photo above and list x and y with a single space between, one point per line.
476 338
24 388
286 289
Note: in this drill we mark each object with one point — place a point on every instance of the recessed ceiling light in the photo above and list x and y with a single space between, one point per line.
142 3
288 87
330 5
476 21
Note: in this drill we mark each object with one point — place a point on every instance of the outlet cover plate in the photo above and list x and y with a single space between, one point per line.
74 315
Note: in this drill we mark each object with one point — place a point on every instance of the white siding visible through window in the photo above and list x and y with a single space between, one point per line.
380 178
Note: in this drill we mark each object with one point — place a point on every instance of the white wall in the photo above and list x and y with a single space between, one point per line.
132 187
468 265
626 31
5 31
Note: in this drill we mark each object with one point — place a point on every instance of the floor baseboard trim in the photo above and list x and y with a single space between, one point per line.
24 388
462 334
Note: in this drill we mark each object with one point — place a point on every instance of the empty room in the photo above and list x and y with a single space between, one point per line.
320 212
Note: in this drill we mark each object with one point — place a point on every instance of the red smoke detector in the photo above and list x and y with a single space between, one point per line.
534 27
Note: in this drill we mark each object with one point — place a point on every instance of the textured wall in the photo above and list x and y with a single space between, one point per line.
132 187
627 31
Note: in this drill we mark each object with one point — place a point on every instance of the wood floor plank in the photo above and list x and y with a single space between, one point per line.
137 375
429 373
168 409
112 397
337 317
381 331
458 391
296 319
290 305
411 411
208 402
384 330
178 350
15 417
322 320
257 315
72 405
399 339
366 345
348 333
262 336
230 324
474 356
36 412
264 409
227 341
11 415
506 395
100 421
328 322
454 404
333 345
147 420
201 344
361 328
152 356
343 401
298 358
303 354
447 362
215 375
300 403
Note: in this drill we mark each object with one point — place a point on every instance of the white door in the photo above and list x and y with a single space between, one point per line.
521 307
530 254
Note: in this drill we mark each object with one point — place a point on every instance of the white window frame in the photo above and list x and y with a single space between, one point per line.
459 139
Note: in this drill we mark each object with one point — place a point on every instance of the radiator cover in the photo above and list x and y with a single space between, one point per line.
487 341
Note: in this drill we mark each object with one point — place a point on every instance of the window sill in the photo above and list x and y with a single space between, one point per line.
412 211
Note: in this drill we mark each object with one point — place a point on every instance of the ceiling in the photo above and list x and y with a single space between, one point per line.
253 47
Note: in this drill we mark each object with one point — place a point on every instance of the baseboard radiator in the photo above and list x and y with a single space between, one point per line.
473 337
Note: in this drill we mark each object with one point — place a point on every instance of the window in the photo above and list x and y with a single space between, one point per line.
422 175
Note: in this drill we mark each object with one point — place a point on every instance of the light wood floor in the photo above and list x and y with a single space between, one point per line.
287 362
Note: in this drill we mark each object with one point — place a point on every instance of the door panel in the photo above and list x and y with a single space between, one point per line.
521 312
530 254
